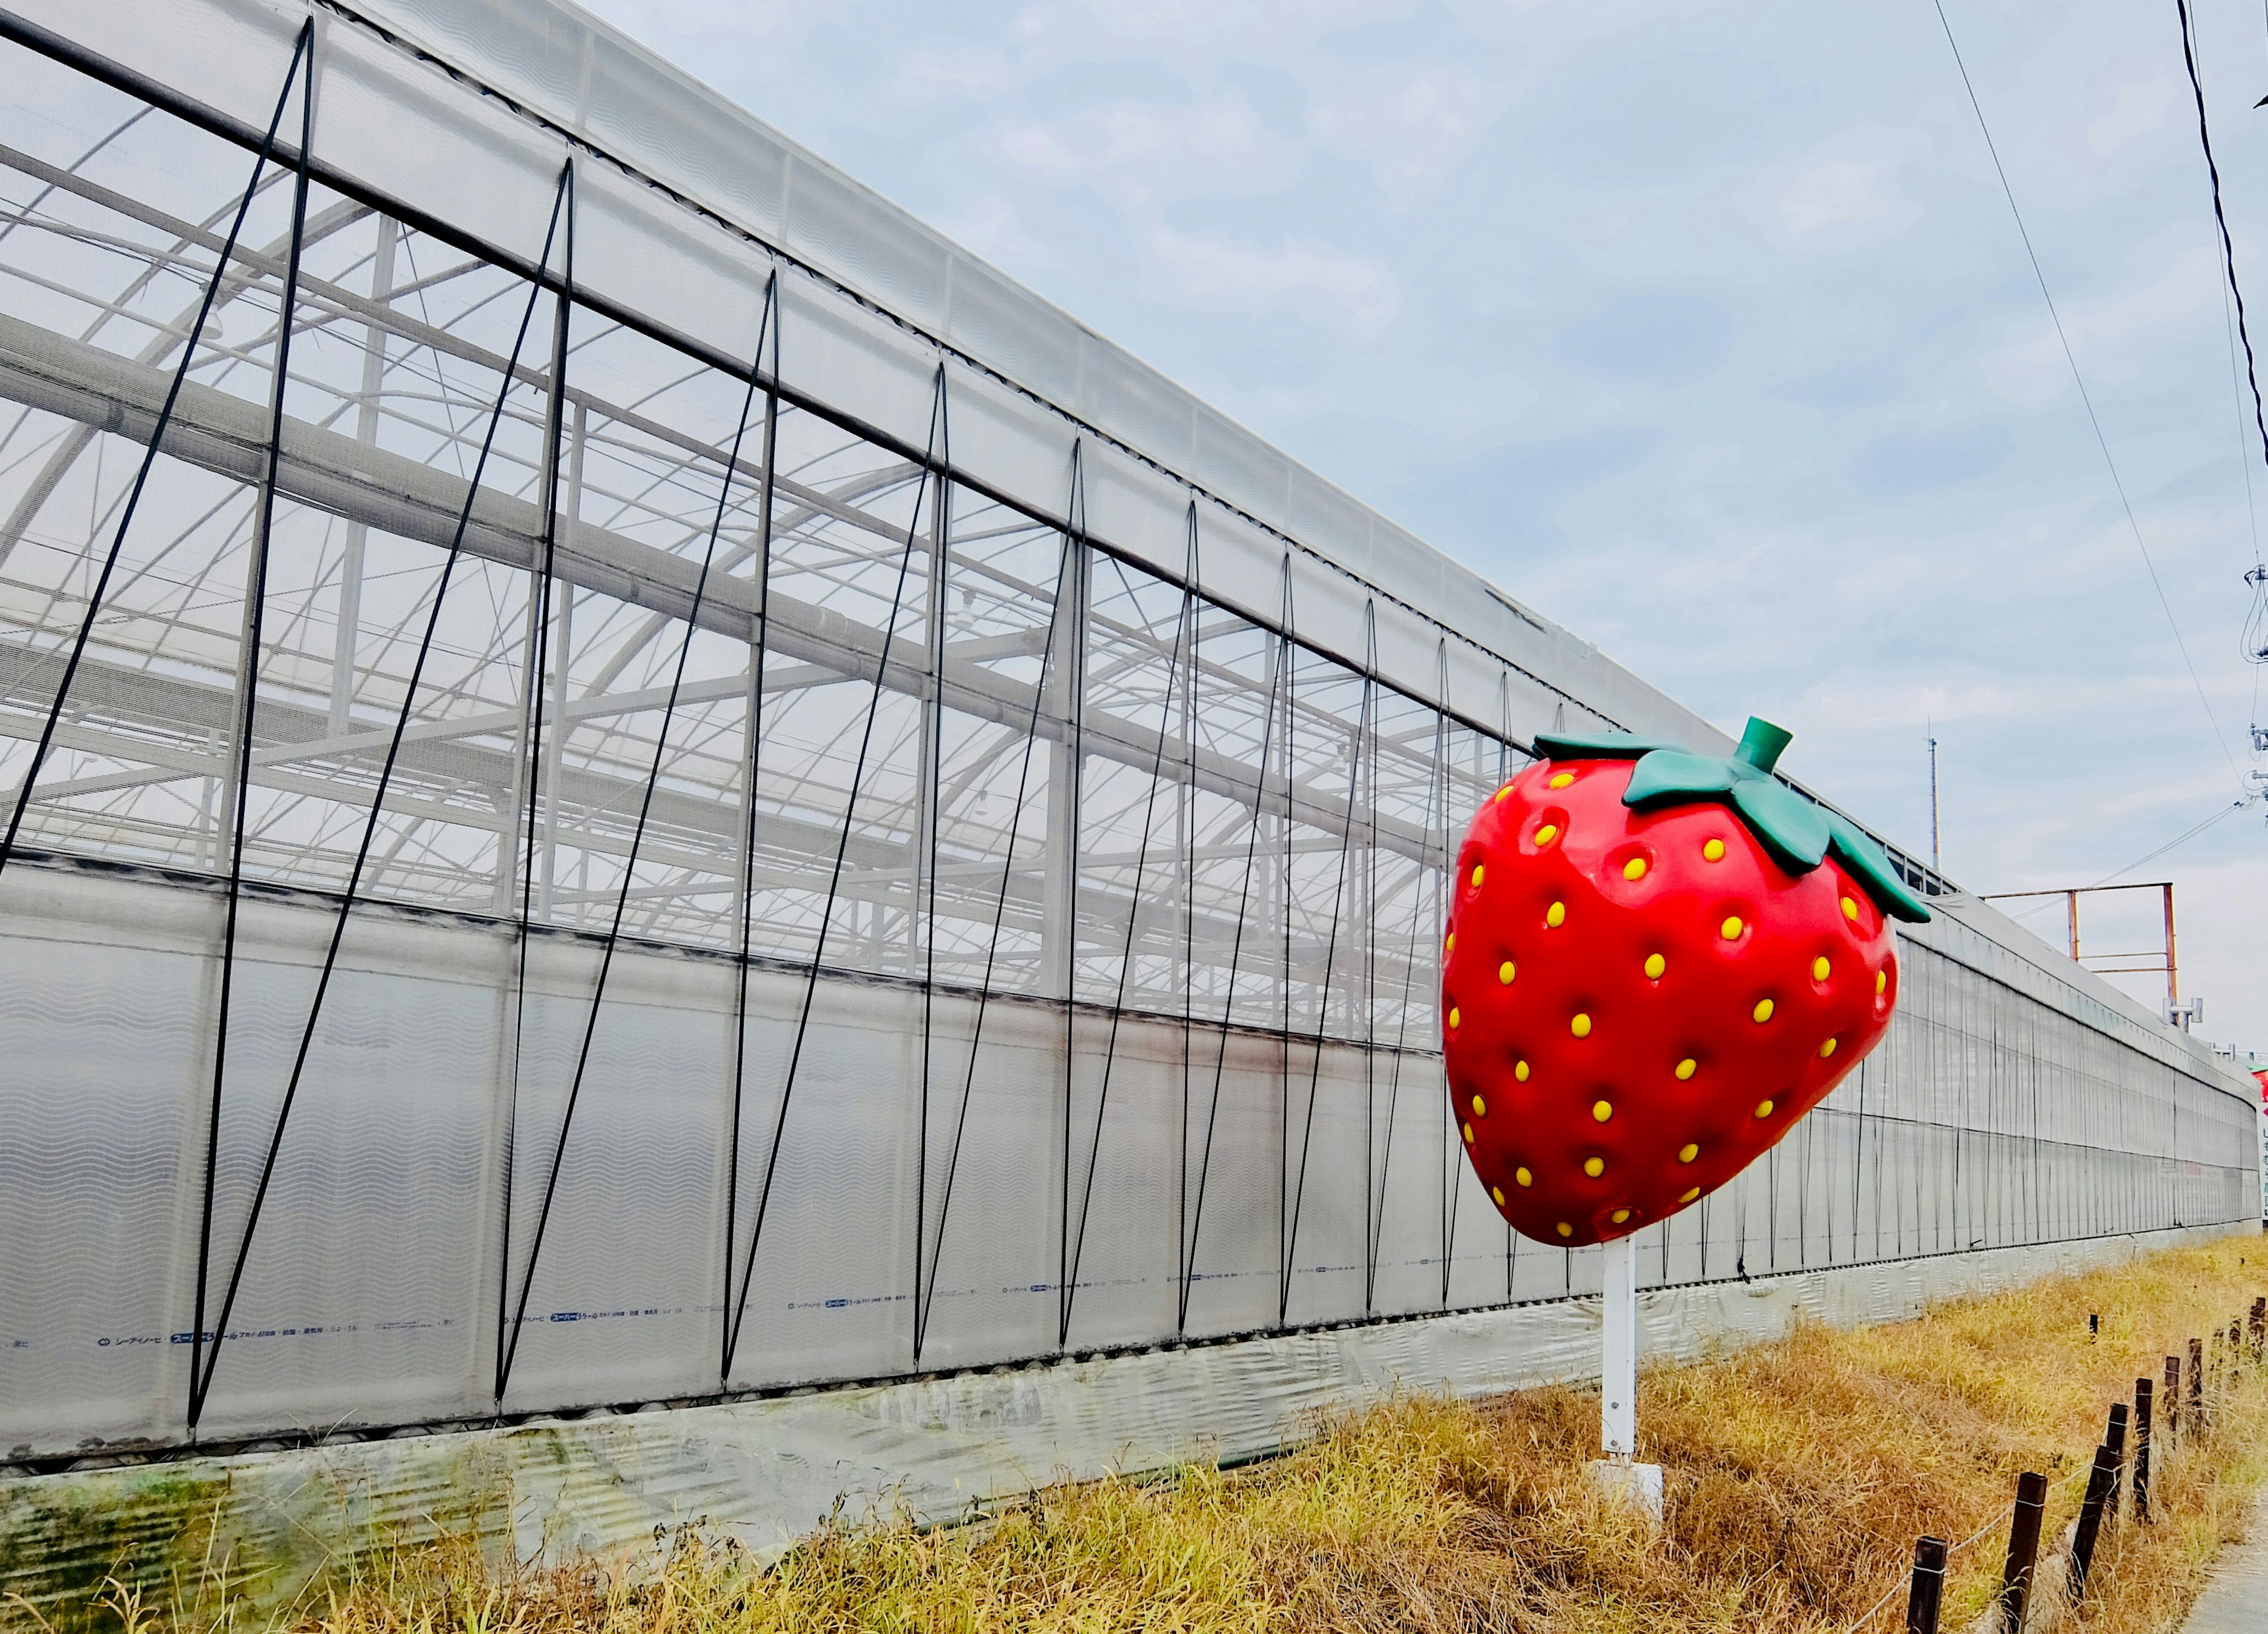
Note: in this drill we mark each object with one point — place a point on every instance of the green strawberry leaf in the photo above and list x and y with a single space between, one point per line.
1865 860
1788 826
1673 778
1605 746
1797 833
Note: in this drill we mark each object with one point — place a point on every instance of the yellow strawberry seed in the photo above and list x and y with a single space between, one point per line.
1566 1230
1634 869
1763 1012
1619 1216
1519 1070
1714 851
1731 929
1497 1192
1690 1195
1882 981
1850 909
1764 1108
1687 1068
1580 1026
1595 1167
1827 1048
1469 1134
1562 780
1548 833
1480 1108
1454 1016
1655 964
1523 1177
1820 967
1479 873
1504 972
1556 916
1601 1110
1687 1153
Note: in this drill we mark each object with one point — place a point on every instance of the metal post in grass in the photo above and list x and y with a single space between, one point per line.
2024 1550
2197 1386
2173 1394
1928 1591
2145 1394
1617 1473
2090 1523
2114 1437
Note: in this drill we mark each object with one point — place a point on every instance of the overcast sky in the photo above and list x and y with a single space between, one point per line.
1706 329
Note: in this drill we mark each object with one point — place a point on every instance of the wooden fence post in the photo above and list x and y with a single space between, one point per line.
1928 1591
2090 1524
2023 1550
2114 1437
2145 1395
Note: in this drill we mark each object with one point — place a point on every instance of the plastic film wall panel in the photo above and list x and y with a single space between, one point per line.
406 130
938 1191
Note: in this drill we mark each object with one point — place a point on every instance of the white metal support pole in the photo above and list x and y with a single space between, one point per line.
1619 1357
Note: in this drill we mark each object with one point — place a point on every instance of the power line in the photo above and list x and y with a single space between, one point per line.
2101 441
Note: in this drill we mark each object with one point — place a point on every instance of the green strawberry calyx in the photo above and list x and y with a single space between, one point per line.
1797 833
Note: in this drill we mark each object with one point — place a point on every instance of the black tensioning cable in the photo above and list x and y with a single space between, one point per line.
539 662
992 950
1126 954
248 669
842 852
1081 563
1323 1003
1402 1030
727 1335
45 741
629 865
931 793
349 897
1280 657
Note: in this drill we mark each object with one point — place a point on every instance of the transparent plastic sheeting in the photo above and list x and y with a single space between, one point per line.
867 880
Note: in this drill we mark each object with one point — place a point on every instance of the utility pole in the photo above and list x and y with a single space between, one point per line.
1935 867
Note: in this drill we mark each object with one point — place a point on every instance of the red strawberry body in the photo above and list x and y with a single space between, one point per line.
1613 1053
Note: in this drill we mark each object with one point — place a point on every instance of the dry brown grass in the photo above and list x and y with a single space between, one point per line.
1800 1473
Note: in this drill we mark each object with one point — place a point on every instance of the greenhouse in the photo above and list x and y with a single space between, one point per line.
630 778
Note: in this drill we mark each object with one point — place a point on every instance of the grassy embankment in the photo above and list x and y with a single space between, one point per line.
1800 1473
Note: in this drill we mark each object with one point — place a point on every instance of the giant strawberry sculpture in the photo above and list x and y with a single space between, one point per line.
1656 962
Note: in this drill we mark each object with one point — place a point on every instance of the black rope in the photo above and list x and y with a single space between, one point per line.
1235 959
729 1333
370 826
1401 1031
256 594
629 870
538 663
1374 1197
1188 908
2220 219
150 457
931 794
1283 976
842 852
1322 1004
1126 953
992 950
1081 562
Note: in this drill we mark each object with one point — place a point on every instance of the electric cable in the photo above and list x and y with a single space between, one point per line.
2070 358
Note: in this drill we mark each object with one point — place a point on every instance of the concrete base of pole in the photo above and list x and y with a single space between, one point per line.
1639 1485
